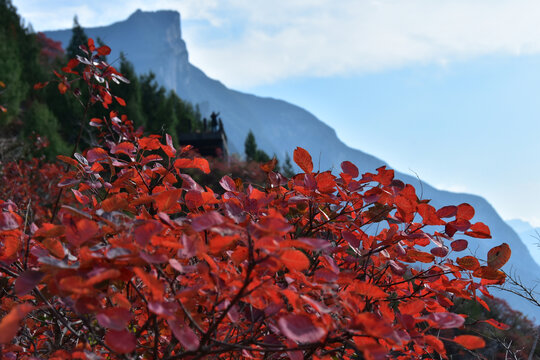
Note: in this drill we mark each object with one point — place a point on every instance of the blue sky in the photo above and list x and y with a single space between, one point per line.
449 90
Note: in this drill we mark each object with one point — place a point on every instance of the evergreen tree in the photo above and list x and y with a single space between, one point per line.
261 156
252 152
131 92
78 38
40 121
250 146
287 168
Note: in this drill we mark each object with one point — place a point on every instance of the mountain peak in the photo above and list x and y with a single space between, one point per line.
168 19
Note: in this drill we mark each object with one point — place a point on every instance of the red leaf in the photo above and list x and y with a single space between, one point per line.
459 245
184 335
206 221
79 231
447 211
123 148
202 164
498 256
302 158
369 290
489 273
62 88
39 85
72 63
384 175
465 211
468 262
104 50
439 251
446 320
115 202
96 154
120 100
412 307
122 342
114 318
149 143
300 328
470 342
169 149
435 343
421 256
154 285
198 163
91 45
429 215
9 221
350 169
227 184
269 166
479 230
497 324
295 259
10 323
27 281
144 231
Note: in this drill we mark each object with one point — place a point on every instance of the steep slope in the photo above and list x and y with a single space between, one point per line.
529 235
152 41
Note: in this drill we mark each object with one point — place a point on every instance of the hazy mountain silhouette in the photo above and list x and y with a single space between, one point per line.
153 41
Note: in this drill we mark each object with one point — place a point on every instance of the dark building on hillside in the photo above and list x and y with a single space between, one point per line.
212 141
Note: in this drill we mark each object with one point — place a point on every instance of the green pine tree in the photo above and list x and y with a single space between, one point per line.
250 147
287 168
78 38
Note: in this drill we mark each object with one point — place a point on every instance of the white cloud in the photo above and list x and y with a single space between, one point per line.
269 41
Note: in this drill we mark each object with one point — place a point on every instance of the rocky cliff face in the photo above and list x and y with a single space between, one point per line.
153 41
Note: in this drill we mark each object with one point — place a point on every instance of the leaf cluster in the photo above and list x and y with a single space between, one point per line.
141 261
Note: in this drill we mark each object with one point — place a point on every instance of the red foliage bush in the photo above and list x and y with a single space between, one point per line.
143 262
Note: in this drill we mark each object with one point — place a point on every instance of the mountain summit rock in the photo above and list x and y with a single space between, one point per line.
152 41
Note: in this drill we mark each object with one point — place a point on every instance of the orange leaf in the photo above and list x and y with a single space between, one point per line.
468 262
302 158
62 88
10 323
295 259
489 273
470 342
498 256
269 166
421 256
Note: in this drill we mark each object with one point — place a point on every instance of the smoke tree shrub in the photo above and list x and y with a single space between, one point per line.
143 262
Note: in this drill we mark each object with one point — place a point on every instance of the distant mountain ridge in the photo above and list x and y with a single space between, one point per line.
529 235
153 41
